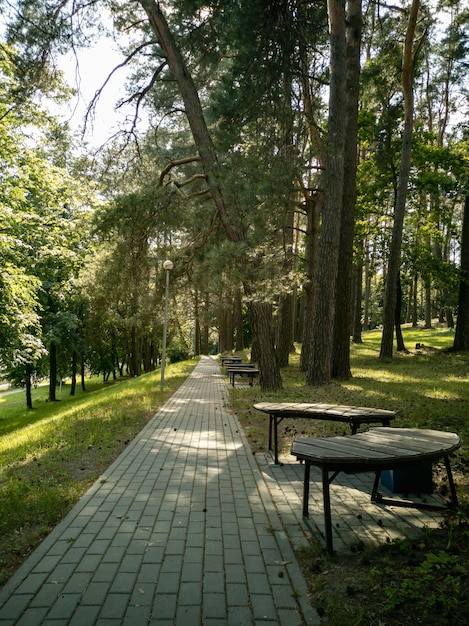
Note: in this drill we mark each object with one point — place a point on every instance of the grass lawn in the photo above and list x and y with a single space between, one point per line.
426 581
51 455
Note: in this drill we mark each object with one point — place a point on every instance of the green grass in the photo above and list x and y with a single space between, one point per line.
49 456
406 582
428 387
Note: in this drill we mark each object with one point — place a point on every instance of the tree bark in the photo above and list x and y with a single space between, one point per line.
461 337
52 372
284 333
320 362
357 316
269 373
29 396
82 371
313 211
397 316
238 319
73 384
284 338
386 351
344 288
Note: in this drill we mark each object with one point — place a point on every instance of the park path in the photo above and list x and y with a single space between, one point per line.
181 530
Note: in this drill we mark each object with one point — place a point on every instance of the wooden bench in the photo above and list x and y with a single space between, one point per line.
245 370
229 359
373 451
354 416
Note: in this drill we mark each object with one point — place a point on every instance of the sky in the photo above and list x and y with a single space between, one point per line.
88 73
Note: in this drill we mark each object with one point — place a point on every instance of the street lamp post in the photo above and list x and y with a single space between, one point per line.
168 266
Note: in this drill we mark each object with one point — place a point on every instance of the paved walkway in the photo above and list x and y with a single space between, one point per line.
181 530
187 527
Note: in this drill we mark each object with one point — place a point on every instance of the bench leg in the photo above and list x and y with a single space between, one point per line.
327 509
306 490
454 495
271 419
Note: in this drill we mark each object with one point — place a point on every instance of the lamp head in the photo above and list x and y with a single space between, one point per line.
168 265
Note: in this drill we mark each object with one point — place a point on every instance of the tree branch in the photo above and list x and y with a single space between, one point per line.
175 163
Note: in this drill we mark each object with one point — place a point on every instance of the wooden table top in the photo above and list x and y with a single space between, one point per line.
334 411
377 449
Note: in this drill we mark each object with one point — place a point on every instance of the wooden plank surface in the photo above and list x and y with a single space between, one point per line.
333 411
378 447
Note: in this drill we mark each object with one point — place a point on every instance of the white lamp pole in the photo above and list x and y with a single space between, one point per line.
168 266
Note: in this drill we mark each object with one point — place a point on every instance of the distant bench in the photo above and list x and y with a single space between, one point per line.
354 416
245 370
228 359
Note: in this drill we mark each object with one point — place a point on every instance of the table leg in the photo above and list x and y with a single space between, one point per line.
454 496
306 490
276 441
375 496
271 419
327 509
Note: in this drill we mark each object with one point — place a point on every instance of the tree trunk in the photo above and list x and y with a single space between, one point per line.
415 302
344 289
366 300
357 317
238 320
313 212
196 324
82 371
222 329
397 316
261 318
284 331
284 338
73 384
320 361
386 350
461 337
206 338
52 372
428 304
134 356
29 396
229 321
270 378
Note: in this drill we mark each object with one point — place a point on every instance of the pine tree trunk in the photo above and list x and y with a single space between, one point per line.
82 372
260 315
386 351
313 213
397 317
73 384
238 320
320 362
461 337
284 338
52 372
29 396
345 287
357 317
